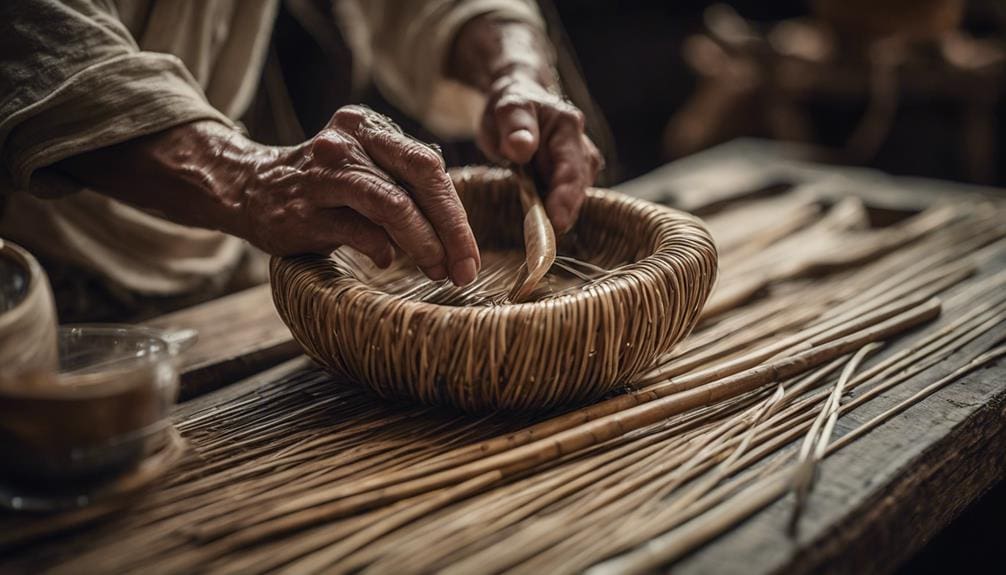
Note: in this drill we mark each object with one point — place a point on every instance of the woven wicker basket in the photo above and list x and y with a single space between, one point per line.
574 346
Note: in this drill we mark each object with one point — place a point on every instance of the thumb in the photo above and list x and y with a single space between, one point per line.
517 126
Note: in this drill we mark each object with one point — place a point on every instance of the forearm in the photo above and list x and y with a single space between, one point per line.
487 50
191 174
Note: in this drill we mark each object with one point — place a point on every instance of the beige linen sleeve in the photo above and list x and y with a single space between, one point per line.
404 44
73 80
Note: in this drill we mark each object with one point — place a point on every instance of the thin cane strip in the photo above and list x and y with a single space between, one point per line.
902 366
958 343
817 438
976 363
556 488
662 525
822 331
543 537
667 549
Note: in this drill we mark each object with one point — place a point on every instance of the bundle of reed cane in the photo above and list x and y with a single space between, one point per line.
629 283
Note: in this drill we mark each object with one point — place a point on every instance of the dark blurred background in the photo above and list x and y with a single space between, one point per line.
906 86
911 87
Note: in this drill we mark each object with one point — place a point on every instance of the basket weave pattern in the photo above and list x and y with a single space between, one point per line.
573 347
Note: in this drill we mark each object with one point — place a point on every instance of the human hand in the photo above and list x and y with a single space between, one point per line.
526 119
360 182
524 122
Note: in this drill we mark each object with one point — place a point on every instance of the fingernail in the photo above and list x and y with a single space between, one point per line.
522 137
384 260
464 272
519 146
560 218
436 273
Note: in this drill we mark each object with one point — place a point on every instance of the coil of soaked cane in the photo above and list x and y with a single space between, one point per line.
635 280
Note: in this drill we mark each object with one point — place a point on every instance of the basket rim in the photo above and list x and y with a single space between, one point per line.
367 296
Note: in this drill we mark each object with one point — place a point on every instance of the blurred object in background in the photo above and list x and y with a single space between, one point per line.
900 85
865 21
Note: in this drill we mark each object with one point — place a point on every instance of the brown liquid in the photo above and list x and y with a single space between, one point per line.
55 433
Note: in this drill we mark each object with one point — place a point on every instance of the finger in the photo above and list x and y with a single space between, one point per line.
422 171
596 160
375 197
351 118
568 178
346 227
517 129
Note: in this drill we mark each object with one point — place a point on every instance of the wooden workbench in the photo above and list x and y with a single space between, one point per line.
876 502
883 498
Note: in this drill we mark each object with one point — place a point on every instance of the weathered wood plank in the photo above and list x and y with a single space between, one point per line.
239 335
749 166
879 500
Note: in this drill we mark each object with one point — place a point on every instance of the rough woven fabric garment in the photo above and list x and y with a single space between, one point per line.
80 75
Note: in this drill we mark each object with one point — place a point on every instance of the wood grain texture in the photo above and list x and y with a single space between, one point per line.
239 335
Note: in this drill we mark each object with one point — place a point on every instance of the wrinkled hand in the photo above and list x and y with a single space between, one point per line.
524 122
361 182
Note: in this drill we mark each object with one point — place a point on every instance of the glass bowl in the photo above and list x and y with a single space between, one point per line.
64 436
